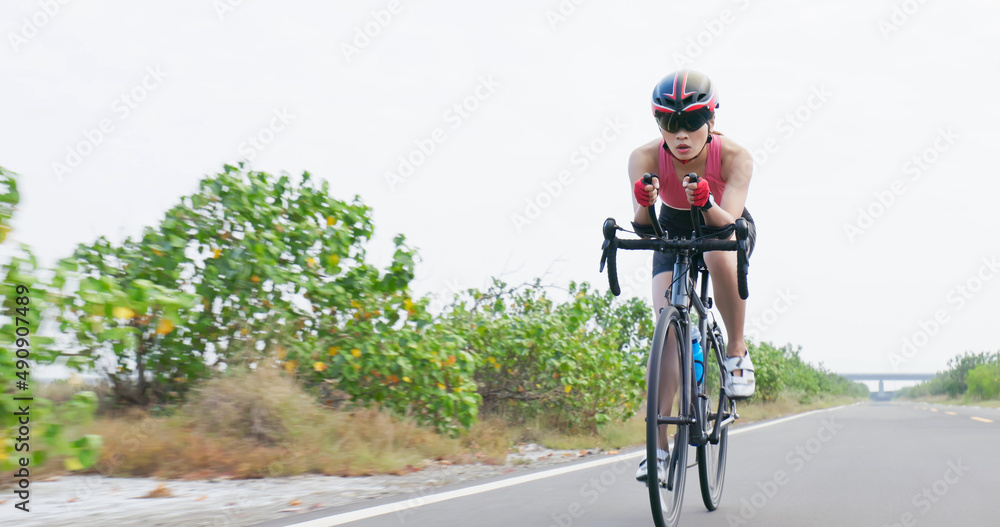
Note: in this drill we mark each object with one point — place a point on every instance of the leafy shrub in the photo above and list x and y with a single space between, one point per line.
958 368
254 266
771 371
581 362
984 381
782 370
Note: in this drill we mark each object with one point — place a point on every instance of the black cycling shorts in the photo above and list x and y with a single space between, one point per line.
677 222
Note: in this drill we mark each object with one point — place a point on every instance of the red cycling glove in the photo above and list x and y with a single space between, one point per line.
641 195
701 193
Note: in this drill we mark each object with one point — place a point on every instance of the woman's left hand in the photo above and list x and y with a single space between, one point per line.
697 193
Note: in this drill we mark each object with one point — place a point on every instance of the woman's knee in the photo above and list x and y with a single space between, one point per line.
721 262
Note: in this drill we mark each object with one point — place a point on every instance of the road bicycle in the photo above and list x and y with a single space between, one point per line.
697 422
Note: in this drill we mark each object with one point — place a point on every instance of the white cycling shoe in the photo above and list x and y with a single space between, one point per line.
740 387
661 467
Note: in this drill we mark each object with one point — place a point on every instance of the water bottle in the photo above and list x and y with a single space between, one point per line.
699 364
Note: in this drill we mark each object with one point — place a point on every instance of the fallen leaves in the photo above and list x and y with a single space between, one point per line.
161 491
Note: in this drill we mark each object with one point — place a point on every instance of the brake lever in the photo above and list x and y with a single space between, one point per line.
609 234
742 259
609 248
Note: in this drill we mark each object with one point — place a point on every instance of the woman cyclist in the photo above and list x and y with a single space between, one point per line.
684 104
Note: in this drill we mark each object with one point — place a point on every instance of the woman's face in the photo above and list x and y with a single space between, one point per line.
686 145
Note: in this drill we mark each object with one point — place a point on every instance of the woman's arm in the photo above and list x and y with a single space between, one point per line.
642 161
737 168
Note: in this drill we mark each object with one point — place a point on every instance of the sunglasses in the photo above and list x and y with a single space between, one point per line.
690 121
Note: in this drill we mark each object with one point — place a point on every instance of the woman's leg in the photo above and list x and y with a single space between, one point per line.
722 268
669 371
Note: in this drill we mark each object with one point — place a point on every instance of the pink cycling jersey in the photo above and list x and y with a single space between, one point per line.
672 192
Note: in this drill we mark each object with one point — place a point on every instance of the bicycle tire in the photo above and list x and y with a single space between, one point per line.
665 500
712 458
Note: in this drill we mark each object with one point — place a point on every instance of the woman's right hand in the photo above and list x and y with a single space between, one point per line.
645 194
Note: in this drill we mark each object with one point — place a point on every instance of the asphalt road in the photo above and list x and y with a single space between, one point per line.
872 464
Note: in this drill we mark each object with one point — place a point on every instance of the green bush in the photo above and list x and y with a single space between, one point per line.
580 362
955 381
984 381
782 370
254 266
771 371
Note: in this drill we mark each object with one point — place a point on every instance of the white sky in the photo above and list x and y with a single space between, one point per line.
555 86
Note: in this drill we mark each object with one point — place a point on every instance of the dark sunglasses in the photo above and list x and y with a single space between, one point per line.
690 121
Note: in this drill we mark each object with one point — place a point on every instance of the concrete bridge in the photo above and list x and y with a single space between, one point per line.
881 394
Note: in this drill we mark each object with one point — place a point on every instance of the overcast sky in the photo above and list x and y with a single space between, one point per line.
873 190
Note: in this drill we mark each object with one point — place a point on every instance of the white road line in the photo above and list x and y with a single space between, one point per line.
412 503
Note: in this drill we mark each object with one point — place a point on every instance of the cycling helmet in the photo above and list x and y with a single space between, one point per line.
684 99
685 91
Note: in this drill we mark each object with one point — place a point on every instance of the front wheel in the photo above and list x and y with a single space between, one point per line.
665 498
712 457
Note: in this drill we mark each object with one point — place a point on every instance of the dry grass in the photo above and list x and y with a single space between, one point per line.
261 424
62 390
788 405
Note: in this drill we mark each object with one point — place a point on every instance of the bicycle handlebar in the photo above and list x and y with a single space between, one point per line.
699 245
651 209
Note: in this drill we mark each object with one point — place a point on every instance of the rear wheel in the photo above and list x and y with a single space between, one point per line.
665 498
712 457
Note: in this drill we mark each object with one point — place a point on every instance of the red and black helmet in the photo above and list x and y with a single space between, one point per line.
685 91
